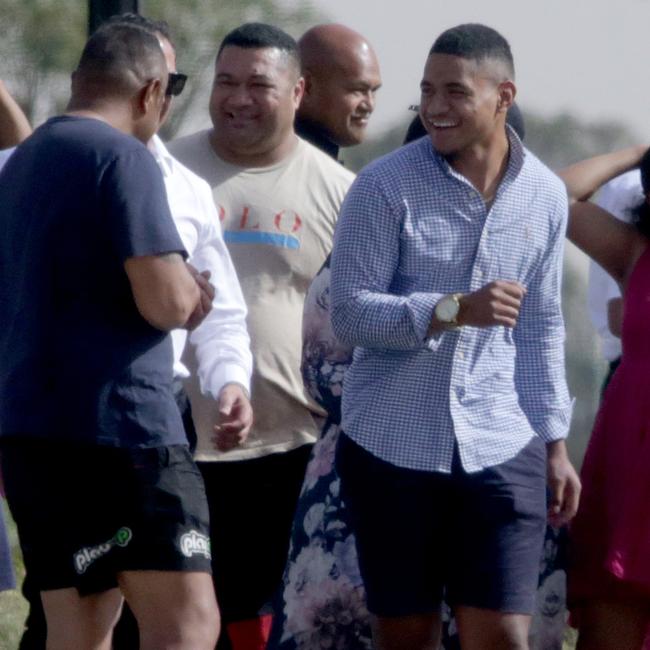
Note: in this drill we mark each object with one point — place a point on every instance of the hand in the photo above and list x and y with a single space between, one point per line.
497 303
235 418
563 483
206 291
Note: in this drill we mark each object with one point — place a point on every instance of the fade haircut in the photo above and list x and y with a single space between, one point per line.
119 57
155 26
475 42
261 35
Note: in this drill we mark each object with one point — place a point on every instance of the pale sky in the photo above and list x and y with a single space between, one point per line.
591 57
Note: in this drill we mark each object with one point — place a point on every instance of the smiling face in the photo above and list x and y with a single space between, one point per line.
341 98
255 95
463 104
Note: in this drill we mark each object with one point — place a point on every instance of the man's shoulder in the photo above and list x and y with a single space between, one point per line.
81 150
396 169
538 177
322 164
190 149
182 173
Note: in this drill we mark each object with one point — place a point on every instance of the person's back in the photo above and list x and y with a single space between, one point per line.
65 293
91 439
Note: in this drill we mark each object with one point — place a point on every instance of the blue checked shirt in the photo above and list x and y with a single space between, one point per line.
410 231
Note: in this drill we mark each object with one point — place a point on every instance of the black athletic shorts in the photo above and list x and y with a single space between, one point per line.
85 513
474 538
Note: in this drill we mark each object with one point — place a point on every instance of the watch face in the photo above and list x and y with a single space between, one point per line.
447 309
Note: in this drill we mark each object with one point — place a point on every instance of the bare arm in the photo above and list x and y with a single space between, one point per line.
164 291
14 126
616 246
583 178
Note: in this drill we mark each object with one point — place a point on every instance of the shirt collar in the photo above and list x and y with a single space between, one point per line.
516 159
315 134
160 152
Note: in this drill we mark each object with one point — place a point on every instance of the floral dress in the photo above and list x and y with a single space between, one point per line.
321 603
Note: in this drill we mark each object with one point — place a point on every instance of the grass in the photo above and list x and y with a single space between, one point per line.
13 607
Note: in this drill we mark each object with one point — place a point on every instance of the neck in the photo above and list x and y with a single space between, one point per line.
484 166
253 158
112 115
316 135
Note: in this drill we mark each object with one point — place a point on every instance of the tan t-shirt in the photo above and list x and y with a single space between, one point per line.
278 224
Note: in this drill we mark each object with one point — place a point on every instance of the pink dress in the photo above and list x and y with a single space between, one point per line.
610 536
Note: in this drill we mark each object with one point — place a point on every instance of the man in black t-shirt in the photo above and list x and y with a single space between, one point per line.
95 460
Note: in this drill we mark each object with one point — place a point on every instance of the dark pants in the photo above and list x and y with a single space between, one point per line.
252 503
125 635
476 536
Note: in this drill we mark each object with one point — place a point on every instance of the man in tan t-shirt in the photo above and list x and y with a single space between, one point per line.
278 199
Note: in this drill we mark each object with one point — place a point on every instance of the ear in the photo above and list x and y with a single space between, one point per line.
298 91
307 76
148 96
506 96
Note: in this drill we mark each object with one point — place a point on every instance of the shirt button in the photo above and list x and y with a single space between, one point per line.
479 273
460 392
461 354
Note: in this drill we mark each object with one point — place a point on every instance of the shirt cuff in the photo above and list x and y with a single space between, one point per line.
228 373
422 306
556 424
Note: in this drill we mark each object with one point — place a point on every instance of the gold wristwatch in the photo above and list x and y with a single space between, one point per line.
447 309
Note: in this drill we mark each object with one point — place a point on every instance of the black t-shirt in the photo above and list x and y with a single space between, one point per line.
77 361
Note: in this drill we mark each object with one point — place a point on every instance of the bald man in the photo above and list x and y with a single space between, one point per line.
341 75
97 469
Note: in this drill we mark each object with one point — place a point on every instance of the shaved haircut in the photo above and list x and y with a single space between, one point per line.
119 58
478 43
262 36
330 45
155 26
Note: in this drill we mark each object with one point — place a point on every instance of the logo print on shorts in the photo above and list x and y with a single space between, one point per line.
194 543
87 555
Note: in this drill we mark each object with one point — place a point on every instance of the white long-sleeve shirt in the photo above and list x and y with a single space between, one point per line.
221 343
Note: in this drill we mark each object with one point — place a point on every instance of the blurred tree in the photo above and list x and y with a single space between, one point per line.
563 139
42 41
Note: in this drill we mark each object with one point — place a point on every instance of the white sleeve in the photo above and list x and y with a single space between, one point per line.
221 342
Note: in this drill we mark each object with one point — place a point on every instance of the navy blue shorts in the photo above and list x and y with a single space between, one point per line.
85 513
474 538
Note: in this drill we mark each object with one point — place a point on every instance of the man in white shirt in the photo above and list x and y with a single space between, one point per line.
604 299
221 341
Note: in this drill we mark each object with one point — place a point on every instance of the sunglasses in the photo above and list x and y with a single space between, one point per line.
175 84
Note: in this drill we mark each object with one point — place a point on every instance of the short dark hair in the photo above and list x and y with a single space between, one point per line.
476 42
155 26
117 52
261 35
